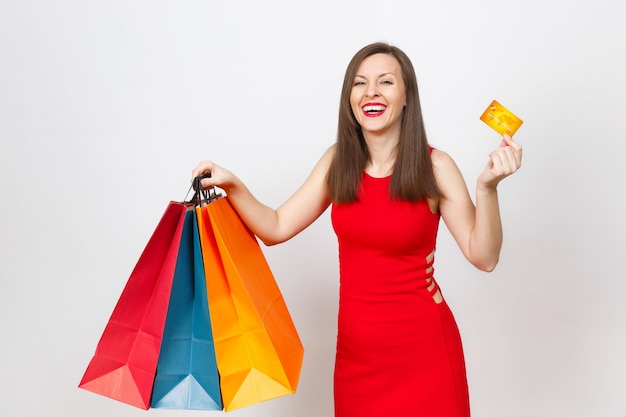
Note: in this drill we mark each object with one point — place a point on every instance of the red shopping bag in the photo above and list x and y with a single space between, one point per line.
124 364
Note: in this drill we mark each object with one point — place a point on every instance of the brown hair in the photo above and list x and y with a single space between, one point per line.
413 178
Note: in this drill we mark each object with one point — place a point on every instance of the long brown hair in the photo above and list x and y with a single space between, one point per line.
413 178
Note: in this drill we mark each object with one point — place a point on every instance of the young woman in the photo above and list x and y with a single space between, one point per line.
399 352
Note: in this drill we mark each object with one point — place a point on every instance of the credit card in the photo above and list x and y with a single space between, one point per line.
500 119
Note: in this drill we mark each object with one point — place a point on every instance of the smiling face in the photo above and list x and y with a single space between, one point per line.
377 97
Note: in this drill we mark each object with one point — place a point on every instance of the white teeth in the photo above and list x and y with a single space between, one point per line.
374 109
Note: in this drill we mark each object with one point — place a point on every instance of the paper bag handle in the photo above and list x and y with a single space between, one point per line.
202 197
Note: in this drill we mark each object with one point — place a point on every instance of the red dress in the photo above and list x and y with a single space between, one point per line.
399 351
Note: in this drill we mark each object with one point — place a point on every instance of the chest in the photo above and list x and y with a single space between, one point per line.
376 221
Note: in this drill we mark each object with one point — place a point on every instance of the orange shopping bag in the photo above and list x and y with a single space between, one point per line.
259 353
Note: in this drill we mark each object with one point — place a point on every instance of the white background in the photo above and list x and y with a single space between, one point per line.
106 106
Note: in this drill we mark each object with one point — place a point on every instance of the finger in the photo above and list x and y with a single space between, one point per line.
516 153
206 183
508 162
495 163
508 154
204 167
510 142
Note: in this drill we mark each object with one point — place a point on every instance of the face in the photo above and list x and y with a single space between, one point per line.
378 96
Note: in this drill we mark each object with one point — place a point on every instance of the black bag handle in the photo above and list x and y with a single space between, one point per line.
202 197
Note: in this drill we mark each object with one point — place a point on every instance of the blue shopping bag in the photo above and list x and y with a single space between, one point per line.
186 375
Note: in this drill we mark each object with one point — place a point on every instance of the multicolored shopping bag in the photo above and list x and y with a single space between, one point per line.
201 297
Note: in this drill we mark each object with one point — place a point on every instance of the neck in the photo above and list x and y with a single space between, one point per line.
382 149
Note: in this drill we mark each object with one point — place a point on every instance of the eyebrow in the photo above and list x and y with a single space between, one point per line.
381 75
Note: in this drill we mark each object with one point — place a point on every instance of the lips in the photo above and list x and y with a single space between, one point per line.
374 109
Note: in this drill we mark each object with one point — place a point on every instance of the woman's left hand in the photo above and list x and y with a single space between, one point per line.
503 162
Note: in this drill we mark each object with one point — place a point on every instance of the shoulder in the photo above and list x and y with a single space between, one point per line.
441 160
447 174
323 164
327 157
330 152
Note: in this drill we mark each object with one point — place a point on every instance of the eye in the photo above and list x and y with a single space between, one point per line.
388 82
357 83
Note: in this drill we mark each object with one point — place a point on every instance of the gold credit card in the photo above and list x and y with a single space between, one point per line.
500 119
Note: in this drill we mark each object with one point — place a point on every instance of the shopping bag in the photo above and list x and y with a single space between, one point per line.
124 364
186 376
259 353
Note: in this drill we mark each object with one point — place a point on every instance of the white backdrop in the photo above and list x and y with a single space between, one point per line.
106 106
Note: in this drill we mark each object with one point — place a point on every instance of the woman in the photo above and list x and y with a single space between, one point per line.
399 351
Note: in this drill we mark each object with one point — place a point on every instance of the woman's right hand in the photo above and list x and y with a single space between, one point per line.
220 177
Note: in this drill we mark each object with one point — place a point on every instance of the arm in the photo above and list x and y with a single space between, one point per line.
273 226
476 229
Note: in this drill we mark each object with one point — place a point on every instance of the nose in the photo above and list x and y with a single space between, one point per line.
372 90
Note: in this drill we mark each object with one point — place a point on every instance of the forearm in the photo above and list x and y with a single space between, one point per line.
260 219
486 238
270 225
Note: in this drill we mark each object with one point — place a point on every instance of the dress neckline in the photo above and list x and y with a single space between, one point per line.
376 178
